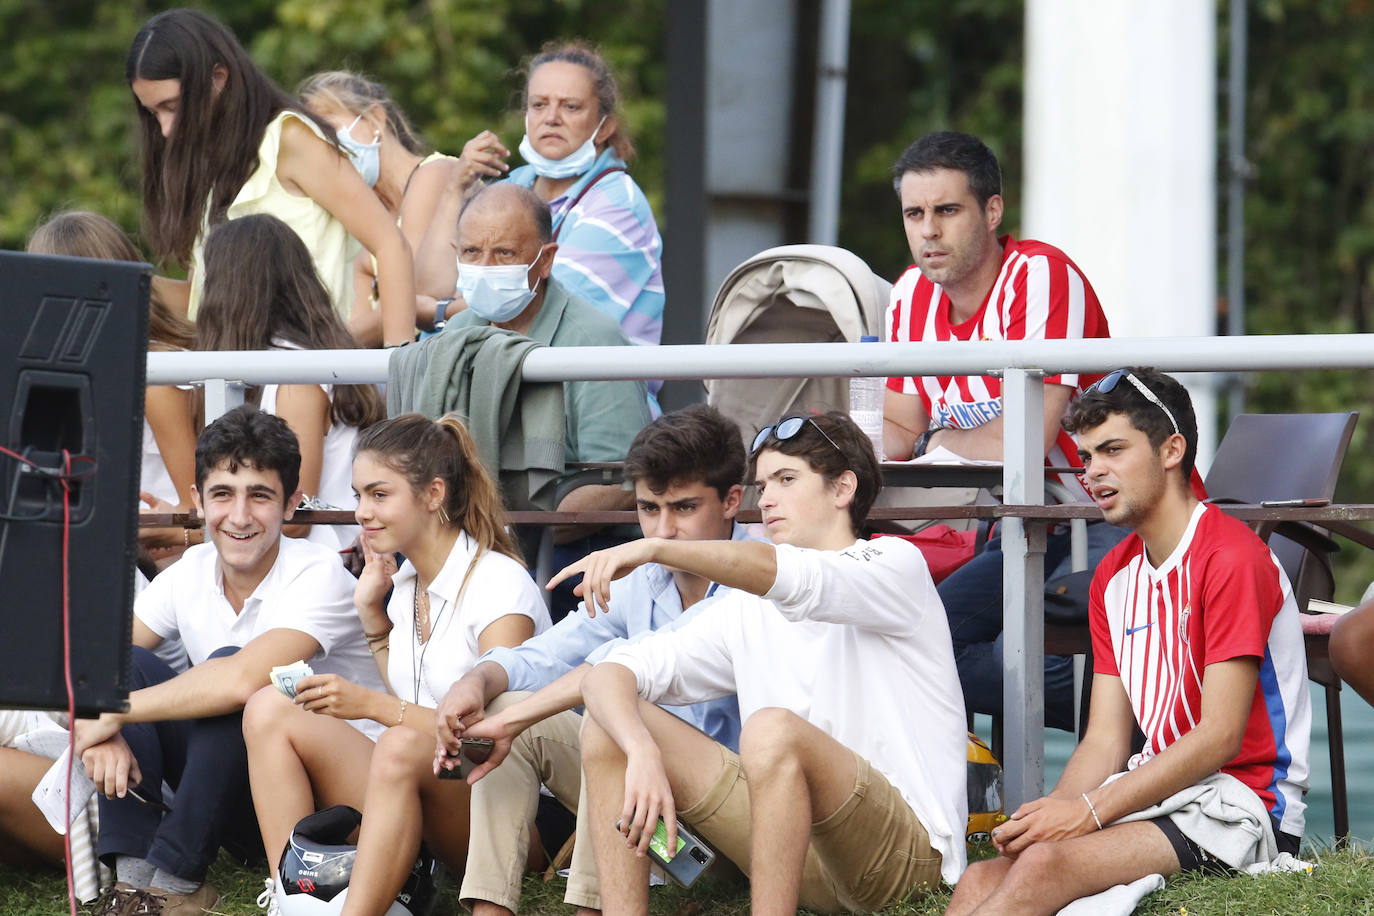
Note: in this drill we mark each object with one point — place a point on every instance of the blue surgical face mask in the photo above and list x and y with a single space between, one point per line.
575 163
366 157
497 293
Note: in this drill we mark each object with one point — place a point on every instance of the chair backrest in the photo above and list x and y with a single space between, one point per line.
1285 456
1281 456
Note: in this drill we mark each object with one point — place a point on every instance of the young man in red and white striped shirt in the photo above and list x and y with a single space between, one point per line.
1196 639
967 283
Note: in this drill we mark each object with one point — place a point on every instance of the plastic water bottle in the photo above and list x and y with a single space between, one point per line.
866 405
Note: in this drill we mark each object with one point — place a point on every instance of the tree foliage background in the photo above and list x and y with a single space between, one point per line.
915 65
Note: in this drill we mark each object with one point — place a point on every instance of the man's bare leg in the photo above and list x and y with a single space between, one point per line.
691 762
798 775
976 884
1048 876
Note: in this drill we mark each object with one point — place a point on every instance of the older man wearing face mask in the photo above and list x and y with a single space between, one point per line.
505 261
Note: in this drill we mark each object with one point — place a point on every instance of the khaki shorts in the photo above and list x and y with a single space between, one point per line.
871 851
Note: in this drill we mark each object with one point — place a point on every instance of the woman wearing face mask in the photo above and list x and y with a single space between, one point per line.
219 140
609 250
407 177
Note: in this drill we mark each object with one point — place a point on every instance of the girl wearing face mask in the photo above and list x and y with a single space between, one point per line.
609 249
407 177
219 141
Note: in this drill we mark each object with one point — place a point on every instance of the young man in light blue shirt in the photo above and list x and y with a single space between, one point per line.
686 468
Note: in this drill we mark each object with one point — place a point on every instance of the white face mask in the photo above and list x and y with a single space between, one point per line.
366 157
575 163
499 292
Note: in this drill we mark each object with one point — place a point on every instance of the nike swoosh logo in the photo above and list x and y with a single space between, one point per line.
1133 630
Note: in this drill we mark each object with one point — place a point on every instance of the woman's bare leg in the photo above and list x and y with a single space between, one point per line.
404 800
298 762
25 836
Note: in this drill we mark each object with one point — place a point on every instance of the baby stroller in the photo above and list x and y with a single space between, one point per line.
792 294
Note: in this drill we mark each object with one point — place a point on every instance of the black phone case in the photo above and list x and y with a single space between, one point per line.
465 765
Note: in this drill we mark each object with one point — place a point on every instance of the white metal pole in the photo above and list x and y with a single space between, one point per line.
1120 162
1023 588
827 143
1285 352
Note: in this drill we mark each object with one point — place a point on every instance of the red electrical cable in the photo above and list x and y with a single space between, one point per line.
67 671
17 457
66 480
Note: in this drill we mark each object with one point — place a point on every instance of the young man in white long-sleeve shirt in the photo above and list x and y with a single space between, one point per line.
849 788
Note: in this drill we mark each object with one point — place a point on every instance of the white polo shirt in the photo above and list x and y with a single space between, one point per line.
306 589
498 586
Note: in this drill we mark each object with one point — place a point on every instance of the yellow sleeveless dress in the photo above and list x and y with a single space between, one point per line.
330 245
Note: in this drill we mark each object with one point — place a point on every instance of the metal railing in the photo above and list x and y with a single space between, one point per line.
1021 366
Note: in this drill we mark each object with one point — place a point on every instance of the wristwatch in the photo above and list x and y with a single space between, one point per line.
440 308
923 442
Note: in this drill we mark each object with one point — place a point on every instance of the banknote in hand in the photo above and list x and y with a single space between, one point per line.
284 677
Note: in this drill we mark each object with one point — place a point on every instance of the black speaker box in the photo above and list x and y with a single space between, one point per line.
73 344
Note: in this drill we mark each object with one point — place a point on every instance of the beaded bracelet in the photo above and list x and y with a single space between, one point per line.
1092 810
401 720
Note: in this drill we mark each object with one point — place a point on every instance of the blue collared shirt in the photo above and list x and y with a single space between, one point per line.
644 601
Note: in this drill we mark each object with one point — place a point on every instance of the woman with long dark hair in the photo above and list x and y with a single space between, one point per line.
262 293
220 141
422 492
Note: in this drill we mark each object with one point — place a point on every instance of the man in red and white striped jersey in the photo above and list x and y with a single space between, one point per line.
1196 639
967 283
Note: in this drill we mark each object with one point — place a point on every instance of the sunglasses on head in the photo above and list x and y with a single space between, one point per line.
1105 385
786 429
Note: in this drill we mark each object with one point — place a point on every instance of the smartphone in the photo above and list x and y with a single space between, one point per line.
138 795
475 751
691 859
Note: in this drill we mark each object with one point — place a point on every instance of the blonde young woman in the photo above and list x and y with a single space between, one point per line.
463 589
169 429
220 140
406 175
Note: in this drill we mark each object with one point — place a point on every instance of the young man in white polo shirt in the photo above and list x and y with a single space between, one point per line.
246 600
849 788
1195 638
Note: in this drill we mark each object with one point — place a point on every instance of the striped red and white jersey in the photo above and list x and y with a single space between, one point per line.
1221 595
1039 295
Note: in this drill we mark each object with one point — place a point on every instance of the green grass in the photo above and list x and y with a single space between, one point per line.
1342 885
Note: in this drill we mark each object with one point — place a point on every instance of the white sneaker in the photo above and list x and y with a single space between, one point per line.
267 900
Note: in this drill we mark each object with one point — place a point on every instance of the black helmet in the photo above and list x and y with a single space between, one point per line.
312 879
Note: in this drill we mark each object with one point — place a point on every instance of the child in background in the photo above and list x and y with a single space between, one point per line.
262 293
169 427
